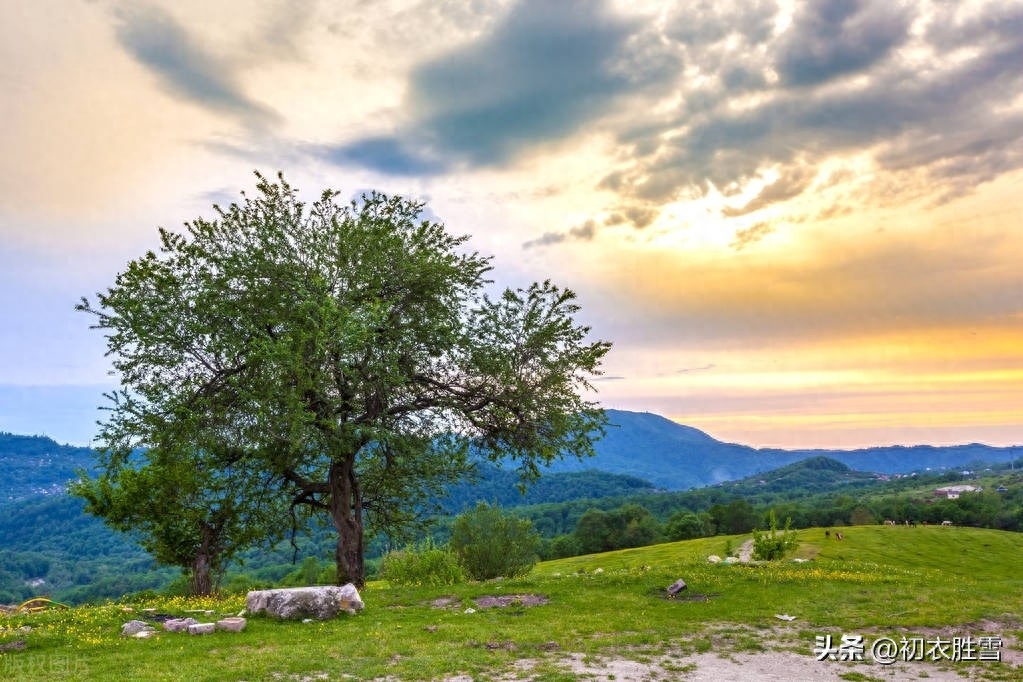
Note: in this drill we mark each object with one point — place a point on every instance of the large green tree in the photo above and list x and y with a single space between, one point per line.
348 350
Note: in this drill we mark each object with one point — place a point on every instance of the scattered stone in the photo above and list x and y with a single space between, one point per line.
444 602
178 624
16 645
297 602
503 600
133 627
714 559
598 571
549 646
676 587
729 560
202 628
231 624
784 616
469 610
144 634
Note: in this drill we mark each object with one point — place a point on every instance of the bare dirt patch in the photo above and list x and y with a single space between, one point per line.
778 654
504 600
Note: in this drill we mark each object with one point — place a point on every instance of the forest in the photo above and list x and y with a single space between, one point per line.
53 548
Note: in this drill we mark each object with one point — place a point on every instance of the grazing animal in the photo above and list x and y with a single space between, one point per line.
889 522
946 523
839 536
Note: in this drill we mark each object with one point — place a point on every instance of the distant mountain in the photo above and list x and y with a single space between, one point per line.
645 448
677 457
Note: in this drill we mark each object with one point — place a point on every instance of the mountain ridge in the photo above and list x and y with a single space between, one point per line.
673 456
642 445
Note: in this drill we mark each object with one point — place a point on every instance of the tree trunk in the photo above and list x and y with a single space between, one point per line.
346 512
202 578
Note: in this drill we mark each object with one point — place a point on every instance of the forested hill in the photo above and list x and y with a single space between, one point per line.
37 465
677 457
639 445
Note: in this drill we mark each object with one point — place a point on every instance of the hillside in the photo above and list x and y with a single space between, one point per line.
677 457
37 465
640 445
601 616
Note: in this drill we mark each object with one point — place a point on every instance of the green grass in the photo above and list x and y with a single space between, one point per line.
878 579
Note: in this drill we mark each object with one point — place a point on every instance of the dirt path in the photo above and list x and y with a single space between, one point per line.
746 551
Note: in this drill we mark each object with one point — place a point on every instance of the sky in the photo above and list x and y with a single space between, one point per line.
799 223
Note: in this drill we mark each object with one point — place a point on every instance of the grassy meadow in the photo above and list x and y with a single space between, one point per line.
877 580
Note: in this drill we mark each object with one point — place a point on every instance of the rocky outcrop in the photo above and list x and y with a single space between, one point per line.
305 602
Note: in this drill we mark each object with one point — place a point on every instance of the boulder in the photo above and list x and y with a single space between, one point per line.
676 587
301 602
134 627
202 628
178 624
231 624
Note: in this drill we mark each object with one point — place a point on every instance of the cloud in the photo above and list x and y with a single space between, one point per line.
751 235
543 72
791 184
690 370
186 68
585 231
834 38
927 90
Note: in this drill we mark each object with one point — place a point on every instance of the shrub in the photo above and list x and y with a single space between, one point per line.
425 565
491 544
774 545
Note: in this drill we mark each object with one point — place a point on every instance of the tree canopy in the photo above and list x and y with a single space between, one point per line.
349 352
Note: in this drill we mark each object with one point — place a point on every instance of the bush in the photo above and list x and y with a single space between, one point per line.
774 545
491 544
425 565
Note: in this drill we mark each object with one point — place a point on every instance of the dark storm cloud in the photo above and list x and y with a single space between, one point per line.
545 70
185 68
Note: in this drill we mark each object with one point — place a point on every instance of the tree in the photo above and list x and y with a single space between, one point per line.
191 508
593 532
489 543
636 526
738 516
685 525
772 544
354 353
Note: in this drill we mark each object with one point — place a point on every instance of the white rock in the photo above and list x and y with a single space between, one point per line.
714 559
231 624
178 624
133 627
298 602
